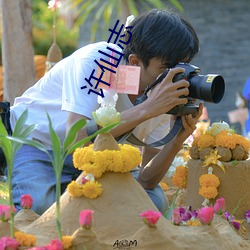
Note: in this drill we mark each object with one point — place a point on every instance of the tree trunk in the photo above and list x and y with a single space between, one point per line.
17 48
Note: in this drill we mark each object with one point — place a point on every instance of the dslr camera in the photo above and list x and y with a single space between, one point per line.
209 88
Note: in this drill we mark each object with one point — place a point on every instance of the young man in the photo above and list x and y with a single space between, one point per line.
159 41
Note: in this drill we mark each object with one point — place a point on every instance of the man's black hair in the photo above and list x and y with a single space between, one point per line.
162 34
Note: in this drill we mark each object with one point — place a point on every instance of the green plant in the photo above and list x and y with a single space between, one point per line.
4 197
10 148
60 152
104 9
42 19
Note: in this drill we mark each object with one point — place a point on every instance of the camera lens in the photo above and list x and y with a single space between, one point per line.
209 88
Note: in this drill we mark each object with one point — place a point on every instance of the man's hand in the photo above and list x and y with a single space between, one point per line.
167 94
188 125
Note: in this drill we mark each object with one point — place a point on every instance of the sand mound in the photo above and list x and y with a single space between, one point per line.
234 185
117 223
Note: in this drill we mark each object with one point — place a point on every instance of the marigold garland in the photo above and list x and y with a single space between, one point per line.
95 163
98 162
208 186
206 141
226 139
180 177
209 180
208 192
24 239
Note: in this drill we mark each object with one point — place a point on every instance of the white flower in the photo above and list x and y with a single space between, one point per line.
105 116
217 127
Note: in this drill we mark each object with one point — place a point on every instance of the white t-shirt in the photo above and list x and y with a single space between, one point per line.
60 91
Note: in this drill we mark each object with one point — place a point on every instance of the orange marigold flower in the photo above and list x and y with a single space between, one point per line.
67 242
242 141
195 141
24 239
208 192
209 180
206 141
164 186
180 177
225 139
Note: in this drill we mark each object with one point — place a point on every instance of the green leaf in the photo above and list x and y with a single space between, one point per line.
71 136
172 207
177 5
20 123
56 147
5 144
238 205
85 140
24 134
35 144
132 7
157 4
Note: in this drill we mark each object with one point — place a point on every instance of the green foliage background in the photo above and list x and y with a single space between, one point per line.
42 19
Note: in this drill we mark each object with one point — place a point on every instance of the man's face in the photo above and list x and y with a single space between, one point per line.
149 75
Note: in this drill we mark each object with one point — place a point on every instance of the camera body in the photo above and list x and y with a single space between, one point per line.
209 88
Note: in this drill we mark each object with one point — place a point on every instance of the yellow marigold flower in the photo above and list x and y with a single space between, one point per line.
180 177
131 157
93 169
83 156
75 189
226 140
193 223
208 192
100 159
92 189
67 242
209 180
97 162
164 186
206 141
27 240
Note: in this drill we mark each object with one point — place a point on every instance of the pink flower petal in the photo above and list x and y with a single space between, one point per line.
150 217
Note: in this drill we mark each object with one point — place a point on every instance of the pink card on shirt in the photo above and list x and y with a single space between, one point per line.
126 79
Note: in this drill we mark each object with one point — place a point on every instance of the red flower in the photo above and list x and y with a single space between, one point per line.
150 217
86 218
26 201
206 215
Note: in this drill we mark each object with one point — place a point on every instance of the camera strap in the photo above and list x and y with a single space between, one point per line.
131 138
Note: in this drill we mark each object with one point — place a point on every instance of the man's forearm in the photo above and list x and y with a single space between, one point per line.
151 174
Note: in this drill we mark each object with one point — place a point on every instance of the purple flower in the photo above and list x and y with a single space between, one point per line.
195 214
236 224
228 216
247 214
